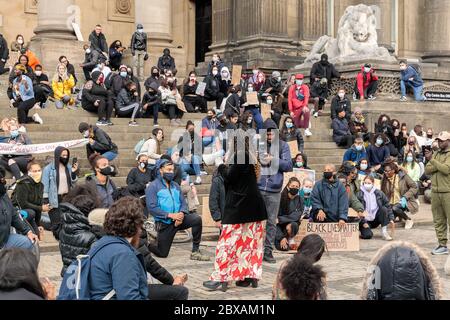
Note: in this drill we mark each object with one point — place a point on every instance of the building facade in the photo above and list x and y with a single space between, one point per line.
270 34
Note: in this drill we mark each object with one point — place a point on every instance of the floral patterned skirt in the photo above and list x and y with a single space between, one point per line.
239 252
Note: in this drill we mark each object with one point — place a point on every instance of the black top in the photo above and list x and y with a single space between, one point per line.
137 181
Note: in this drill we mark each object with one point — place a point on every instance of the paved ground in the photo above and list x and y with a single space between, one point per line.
344 270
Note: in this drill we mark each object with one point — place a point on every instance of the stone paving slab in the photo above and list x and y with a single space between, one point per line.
345 271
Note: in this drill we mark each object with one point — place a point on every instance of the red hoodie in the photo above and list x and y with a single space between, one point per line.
363 82
293 101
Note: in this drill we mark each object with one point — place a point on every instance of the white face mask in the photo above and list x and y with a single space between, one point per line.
140 30
366 70
88 51
299 82
364 167
215 72
86 134
20 41
255 72
403 68
341 95
269 102
250 89
368 186
38 73
225 74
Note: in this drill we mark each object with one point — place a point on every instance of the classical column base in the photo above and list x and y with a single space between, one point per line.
54 32
439 57
49 50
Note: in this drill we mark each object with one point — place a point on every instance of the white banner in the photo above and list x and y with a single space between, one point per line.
13 149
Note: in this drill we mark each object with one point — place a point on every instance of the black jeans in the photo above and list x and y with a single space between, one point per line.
20 165
23 107
34 219
382 218
105 108
161 292
55 219
174 112
346 141
152 110
87 72
400 212
218 99
3 70
166 233
369 91
195 101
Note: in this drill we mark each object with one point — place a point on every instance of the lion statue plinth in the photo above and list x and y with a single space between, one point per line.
357 39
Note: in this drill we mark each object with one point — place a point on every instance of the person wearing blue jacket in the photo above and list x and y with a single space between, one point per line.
118 265
357 152
166 203
329 199
378 151
410 79
23 96
271 183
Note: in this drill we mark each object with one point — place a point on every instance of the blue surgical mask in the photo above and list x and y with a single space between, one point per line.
169 176
409 159
124 74
359 148
307 191
299 164
364 167
380 142
14 134
299 82
289 125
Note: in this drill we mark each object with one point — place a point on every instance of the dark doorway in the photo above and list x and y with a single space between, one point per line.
203 29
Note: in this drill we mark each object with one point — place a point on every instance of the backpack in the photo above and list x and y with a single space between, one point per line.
139 145
109 80
75 283
417 67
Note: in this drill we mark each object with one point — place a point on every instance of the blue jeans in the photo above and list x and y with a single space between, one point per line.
417 90
207 141
191 168
110 155
18 241
257 117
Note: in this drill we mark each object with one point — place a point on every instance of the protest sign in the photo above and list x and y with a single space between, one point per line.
77 30
201 89
181 106
21 149
207 220
300 174
293 145
265 111
252 98
337 238
237 74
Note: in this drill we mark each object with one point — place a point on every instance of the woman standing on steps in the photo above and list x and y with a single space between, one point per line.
239 252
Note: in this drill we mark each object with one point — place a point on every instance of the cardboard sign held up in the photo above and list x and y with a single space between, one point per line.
201 89
338 239
265 111
293 145
301 175
77 30
207 220
237 74
252 98
181 106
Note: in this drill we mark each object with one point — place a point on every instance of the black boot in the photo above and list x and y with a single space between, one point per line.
268 257
215 285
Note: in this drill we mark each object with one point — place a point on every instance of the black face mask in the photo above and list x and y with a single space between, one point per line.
64 161
108 171
294 191
328 175
324 62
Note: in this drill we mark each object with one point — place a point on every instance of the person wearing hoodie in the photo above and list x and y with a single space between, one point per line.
323 69
216 61
225 80
300 162
98 40
356 152
410 79
58 178
42 87
166 62
378 208
166 203
366 84
319 96
4 55
329 199
212 91
151 103
127 103
98 98
209 126
275 162
99 141
154 77
378 152
358 125
139 50
401 191
341 131
193 101
290 133
101 180
298 104
217 196
305 195
341 102
139 177
116 50
401 271
289 216
92 58
77 235
233 101
28 197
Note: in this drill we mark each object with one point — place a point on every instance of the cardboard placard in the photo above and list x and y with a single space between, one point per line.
353 214
338 239
181 106
252 98
293 145
207 220
237 74
201 89
265 111
76 28
300 174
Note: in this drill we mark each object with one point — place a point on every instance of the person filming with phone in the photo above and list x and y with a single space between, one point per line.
58 178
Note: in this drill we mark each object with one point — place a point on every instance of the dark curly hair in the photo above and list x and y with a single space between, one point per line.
302 280
125 218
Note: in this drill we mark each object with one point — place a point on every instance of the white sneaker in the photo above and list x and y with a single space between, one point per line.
386 236
316 114
354 97
11 103
37 118
198 181
203 173
308 133
409 224
403 99
37 106
22 129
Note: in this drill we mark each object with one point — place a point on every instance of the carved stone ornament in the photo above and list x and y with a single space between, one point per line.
121 10
123 6
31 6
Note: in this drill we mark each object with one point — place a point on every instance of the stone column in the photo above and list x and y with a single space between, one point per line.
437 39
383 12
156 17
313 17
54 19
222 23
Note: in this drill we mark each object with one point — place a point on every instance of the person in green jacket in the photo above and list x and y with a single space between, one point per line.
438 167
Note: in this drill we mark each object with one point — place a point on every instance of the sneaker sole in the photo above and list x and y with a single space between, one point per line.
439 254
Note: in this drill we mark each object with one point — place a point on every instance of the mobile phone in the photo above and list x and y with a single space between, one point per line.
74 161
426 148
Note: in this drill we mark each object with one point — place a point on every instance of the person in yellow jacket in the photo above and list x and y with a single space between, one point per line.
438 167
62 85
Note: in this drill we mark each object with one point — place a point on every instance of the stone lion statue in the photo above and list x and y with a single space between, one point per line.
357 39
